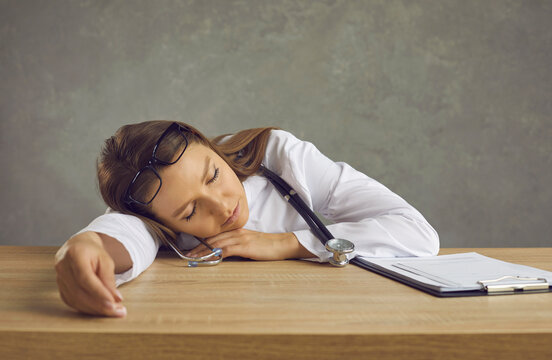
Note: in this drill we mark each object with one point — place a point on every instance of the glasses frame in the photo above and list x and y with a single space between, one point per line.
129 200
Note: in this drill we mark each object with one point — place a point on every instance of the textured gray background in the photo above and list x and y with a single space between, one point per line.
448 103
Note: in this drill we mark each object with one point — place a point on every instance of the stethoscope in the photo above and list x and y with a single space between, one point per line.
338 247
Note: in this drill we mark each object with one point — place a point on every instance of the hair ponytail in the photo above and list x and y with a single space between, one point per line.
244 151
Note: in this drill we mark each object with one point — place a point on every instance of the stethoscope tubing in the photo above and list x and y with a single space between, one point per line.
203 260
320 230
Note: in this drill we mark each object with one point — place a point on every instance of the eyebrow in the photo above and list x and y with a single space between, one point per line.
205 172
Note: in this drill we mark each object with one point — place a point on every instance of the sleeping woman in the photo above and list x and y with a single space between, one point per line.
167 184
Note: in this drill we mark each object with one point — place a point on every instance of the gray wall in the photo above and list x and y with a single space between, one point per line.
448 103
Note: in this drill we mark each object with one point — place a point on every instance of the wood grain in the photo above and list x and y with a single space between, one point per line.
281 309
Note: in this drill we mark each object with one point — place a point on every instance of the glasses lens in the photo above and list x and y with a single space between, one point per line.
171 146
145 186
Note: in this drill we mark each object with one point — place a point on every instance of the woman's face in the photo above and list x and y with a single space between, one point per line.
201 195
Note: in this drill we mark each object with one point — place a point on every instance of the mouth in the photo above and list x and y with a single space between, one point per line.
234 216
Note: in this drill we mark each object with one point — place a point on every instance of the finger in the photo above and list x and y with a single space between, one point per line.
85 274
233 250
201 248
65 282
78 298
223 244
70 295
92 292
106 308
106 273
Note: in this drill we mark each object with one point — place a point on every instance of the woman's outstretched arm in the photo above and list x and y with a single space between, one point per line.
86 265
113 249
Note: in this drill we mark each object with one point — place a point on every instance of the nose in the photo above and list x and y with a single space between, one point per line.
220 206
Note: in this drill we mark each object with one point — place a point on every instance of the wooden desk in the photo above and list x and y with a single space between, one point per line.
269 310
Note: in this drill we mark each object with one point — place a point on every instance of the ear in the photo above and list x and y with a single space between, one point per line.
186 241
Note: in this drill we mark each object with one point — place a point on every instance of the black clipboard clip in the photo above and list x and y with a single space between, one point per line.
538 284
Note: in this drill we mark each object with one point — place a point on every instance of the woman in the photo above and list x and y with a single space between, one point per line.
164 182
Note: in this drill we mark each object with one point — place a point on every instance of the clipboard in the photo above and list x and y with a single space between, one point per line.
459 275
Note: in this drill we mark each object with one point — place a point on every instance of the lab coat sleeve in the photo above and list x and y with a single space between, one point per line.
378 221
140 242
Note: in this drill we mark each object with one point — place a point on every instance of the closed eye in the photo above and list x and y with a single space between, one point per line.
189 217
215 177
212 180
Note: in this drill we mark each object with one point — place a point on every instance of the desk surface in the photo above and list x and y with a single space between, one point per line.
250 309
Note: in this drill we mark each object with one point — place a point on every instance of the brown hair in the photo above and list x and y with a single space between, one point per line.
130 149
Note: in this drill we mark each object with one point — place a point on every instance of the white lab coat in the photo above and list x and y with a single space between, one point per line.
377 221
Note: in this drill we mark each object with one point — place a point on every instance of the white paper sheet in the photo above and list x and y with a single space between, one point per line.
456 272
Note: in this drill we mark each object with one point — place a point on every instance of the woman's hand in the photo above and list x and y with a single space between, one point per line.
86 276
254 245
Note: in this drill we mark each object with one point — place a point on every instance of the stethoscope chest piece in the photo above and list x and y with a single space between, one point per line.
340 248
